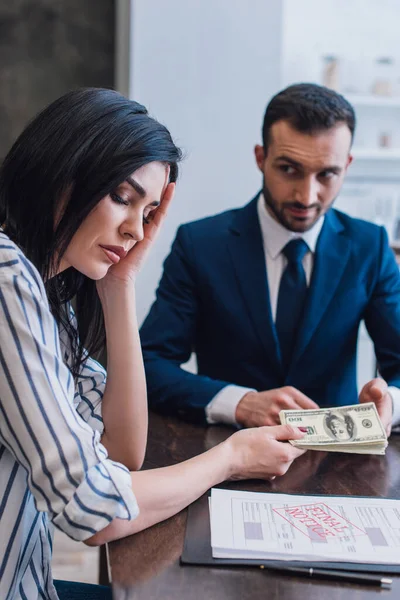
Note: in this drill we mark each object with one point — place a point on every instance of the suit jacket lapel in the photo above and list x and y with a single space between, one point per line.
247 252
331 256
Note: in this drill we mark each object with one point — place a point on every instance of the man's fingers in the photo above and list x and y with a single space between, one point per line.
283 433
302 400
374 390
289 403
376 393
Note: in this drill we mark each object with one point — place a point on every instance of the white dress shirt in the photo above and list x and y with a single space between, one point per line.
222 408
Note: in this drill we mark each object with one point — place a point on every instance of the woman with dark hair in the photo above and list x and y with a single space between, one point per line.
83 193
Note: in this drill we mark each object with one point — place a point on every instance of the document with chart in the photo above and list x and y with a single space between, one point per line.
255 525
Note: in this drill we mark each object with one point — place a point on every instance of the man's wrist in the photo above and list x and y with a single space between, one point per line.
241 414
222 408
394 393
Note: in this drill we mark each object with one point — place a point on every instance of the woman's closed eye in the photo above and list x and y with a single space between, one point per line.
118 199
148 212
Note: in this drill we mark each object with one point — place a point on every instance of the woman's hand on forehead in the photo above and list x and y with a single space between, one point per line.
128 268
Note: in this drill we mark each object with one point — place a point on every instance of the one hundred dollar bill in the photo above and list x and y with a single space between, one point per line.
356 428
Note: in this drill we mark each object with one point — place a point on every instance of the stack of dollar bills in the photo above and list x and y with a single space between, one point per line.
355 429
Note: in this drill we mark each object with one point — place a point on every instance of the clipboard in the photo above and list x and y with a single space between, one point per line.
197 549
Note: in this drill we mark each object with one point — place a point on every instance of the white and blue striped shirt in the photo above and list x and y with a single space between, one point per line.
53 467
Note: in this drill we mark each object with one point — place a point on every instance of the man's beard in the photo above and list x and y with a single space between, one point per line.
294 225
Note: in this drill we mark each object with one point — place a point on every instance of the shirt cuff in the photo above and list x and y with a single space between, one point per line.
222 408
104 495
395 395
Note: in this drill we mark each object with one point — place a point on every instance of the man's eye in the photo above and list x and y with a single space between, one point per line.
287 169
118 199
327 174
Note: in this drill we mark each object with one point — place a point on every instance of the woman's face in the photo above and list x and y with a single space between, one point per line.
115 225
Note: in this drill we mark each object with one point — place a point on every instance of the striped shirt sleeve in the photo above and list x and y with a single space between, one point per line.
91 381
68 470
89 392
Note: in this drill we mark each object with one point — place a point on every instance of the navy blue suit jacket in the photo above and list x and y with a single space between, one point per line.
213 300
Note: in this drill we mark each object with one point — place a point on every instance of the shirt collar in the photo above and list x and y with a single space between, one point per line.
276 236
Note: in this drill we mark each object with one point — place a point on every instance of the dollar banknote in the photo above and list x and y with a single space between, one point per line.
356 428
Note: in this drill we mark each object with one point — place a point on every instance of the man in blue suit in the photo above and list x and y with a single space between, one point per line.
270 296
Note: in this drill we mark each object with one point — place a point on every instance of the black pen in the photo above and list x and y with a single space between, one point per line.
346 576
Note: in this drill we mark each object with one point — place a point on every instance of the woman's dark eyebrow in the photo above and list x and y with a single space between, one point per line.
137 187
140 190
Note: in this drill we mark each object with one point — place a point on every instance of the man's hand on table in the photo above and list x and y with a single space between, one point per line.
257 409
376 391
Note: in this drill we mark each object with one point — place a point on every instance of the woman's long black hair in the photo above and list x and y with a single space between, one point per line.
80 148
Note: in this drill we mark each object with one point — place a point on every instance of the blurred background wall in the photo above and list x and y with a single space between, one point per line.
207 69
48 47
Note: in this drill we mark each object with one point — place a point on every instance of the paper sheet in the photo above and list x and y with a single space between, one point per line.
313 528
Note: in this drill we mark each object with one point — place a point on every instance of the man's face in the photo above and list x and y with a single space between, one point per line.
303 173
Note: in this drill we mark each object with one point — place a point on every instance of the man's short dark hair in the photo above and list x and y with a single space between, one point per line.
308 108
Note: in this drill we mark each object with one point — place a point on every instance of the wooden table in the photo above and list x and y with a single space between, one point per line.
146 565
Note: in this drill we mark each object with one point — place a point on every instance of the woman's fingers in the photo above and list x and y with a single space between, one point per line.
166 201
283 433
159 215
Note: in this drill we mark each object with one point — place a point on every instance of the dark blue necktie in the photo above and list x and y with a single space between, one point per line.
291 298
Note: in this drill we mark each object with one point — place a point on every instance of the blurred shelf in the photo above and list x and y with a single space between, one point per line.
376 153
372 100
